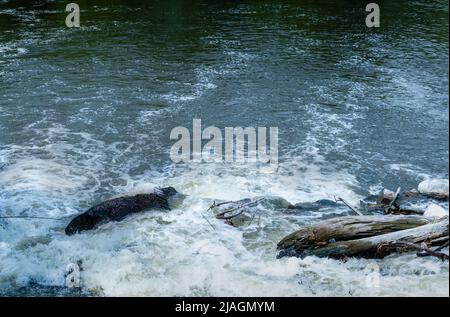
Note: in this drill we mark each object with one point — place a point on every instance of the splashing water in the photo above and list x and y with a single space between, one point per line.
86 115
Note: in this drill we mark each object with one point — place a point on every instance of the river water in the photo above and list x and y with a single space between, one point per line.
86 114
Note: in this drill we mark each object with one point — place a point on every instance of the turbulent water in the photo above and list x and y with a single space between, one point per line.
86 114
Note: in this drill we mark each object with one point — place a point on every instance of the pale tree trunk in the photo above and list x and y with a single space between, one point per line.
365 236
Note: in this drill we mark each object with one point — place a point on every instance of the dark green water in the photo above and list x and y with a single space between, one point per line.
87 113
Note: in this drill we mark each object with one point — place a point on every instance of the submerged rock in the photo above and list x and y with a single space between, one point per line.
316 206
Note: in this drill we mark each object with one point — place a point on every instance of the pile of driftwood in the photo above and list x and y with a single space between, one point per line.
368 237
396 224
383 224
235 213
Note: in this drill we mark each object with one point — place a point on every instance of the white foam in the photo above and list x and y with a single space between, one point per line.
178 253
409 169
187 257
40 175
62 172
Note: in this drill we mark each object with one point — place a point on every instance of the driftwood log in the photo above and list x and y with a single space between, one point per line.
236 213
400 203
364 236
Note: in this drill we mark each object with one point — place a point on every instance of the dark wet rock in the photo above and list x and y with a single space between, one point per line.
316 206
29 242
274 202
325 207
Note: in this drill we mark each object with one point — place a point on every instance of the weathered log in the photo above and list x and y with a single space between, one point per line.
422 250
356 211
377 246
348 228
118 208
391 204
400 203
234 213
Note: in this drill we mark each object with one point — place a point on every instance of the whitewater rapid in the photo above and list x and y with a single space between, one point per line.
86 115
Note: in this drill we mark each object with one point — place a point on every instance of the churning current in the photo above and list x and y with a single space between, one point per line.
86 114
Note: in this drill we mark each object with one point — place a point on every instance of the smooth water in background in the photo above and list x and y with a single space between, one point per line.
86 114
